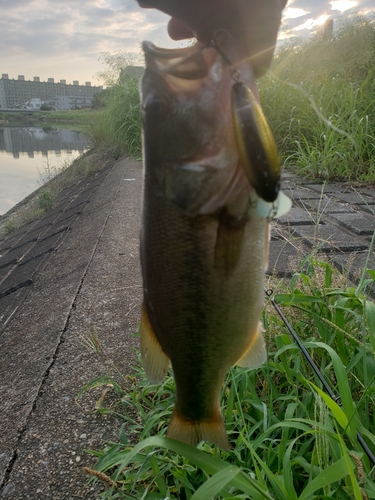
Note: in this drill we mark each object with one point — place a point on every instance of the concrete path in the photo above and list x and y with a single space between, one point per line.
77 270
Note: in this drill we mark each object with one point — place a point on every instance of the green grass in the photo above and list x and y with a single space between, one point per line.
78 116
119 125
320 101
79 119
288 439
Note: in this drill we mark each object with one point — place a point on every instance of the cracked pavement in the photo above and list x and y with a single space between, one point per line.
76 269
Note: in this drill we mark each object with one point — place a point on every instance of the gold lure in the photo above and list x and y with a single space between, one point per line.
255 142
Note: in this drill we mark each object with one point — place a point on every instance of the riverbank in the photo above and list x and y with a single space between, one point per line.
61 277
53 180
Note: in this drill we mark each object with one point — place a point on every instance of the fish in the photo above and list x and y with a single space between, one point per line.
204 235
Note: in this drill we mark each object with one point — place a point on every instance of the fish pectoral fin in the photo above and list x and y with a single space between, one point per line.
229 241
193 432
255 354
155 361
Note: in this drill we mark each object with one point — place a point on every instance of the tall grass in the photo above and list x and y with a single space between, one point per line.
119 124
288 439
320 101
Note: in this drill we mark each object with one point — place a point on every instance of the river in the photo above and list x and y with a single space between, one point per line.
28 153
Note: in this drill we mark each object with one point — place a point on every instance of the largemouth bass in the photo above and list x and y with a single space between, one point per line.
204 237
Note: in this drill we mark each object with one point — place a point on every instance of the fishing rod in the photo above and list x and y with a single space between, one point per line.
333 396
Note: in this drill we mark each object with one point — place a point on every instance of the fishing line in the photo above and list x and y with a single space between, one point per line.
333 396
235 72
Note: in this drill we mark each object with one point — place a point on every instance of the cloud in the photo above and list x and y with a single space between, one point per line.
343 5
293 13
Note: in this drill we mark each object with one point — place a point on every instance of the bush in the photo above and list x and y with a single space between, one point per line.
45 200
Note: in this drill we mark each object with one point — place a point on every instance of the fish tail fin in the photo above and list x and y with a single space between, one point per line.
194 431
154 360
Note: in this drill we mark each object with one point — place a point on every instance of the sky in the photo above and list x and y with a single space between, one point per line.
64 39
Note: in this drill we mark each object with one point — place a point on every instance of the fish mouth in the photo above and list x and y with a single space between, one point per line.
177 75
196 63
188 63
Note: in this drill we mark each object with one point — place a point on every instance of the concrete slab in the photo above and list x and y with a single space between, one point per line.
92 280
355 198
298 192
329 238
325 205
358 222
296 217
353 266
282 258
324 188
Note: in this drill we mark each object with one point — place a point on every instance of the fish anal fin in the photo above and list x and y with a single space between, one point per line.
255 354
193 432
154 359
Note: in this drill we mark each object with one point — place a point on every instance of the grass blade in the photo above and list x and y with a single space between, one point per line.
330 475
215 483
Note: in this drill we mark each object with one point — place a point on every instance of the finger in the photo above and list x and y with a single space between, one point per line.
178 30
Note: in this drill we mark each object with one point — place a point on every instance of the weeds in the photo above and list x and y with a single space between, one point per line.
45 199
10 226
319 99
119 124
289 440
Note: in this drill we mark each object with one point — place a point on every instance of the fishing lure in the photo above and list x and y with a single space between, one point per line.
256 144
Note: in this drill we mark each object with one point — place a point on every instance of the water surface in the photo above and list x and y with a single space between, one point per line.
27 153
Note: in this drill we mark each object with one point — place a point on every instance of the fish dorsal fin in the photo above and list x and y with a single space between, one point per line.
155 361
255 354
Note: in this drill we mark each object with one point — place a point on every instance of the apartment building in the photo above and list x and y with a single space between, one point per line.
14 93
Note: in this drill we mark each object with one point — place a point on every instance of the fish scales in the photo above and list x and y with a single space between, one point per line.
204 247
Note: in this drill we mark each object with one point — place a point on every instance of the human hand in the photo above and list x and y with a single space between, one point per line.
252 24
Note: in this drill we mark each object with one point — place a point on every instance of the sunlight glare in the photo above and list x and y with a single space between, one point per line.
294 12
311 23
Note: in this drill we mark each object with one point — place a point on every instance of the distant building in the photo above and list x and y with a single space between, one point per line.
15 93
34 104
73 102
